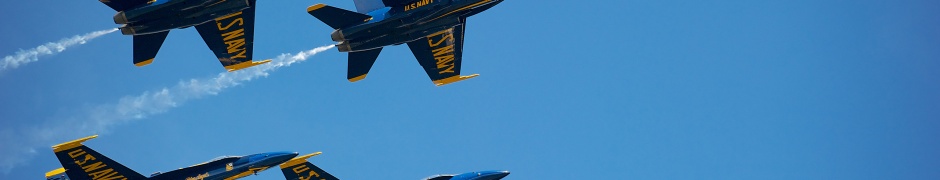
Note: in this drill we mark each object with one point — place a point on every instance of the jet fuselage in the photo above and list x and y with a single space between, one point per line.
227 168
399 24
480 175
164 15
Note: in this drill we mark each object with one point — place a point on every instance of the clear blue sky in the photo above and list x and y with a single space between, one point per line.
731 89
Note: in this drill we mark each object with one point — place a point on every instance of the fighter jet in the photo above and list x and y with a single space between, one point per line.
433 29
80 162
482 175
301 169
226 26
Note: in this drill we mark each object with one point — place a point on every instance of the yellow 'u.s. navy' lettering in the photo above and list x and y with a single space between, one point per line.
233 34
443 50
303 168
96 170
418 4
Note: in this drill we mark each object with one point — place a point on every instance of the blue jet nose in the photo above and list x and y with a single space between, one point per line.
284 156
490 175
497 175
275 158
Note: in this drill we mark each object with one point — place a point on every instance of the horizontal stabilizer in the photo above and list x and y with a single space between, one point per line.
360 63
301 169
122 5
147 46
335 17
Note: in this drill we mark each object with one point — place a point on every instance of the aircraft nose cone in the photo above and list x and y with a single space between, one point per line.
501 175
495 175
290 155
284 156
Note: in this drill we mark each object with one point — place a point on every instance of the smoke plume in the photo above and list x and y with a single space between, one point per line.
20 145
24 57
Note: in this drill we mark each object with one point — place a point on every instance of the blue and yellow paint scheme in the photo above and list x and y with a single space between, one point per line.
480 175
57 174
433 30
227 27
301 169
80 162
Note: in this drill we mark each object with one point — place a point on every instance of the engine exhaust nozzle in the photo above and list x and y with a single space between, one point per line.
337 36
120 18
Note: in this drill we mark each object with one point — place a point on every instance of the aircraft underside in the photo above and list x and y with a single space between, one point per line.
433 31
145 20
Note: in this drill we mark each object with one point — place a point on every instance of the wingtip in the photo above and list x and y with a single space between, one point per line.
246 64
54 172
144 63
453 79
72 144
298 160
358 78
315 7
308 155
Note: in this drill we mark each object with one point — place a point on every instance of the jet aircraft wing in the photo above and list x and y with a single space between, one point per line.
360 63
440 54
301 169
231 38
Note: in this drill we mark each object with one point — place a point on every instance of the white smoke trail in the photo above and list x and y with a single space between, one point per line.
20 146
32 55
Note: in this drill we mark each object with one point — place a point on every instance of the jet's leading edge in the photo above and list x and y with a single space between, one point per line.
433 30
226 26
80 162
481 175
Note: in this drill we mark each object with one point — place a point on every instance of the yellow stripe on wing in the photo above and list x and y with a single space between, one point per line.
144 63
243 65
71 144
453 79
315 7
54 172
298 160
357 78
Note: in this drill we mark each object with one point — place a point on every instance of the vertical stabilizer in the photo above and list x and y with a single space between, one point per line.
121 5
366 6
335 17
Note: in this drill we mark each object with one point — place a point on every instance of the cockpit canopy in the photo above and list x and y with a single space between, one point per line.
221 157
440 177
217 159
